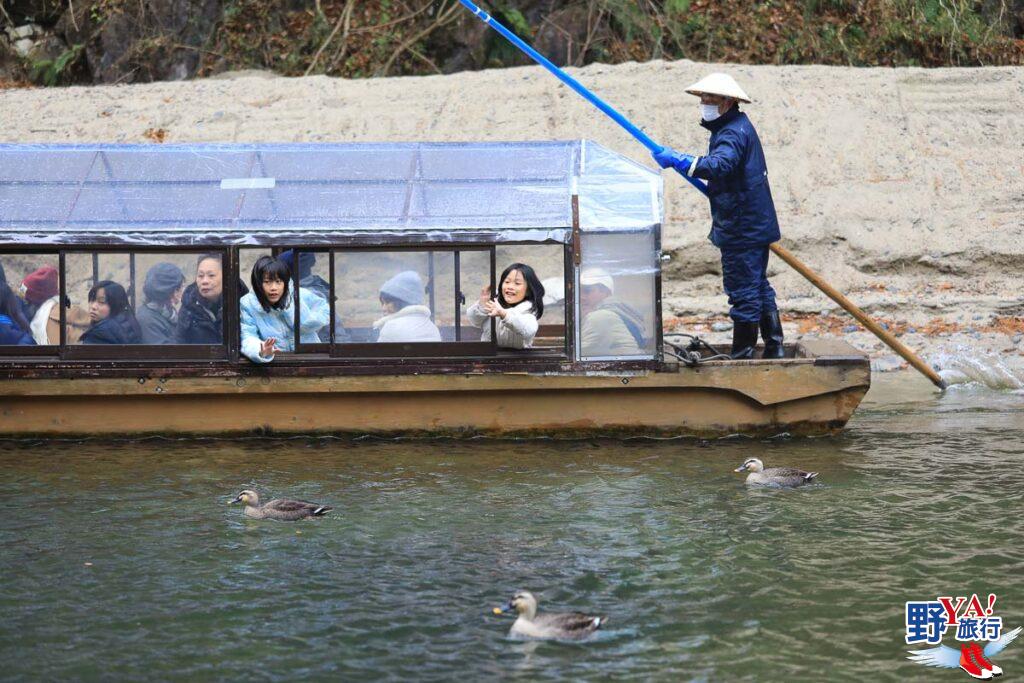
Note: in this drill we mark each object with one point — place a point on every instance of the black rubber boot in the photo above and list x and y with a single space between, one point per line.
771 333
744 339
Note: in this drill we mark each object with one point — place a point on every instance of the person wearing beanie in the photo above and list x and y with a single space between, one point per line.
743 219
405 319
40 285
158 315
41 289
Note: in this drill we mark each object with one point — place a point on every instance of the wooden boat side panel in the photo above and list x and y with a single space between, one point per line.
561 412
766 382
814 393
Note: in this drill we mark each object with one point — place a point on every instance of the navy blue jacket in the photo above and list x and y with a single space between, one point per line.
742 210
117 329
12 334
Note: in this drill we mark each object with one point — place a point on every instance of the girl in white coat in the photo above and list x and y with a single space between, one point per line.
405 319
516 310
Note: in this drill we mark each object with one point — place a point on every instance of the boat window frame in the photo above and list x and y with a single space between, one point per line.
300 346
216 359
149 352
410 350
658 354
38 350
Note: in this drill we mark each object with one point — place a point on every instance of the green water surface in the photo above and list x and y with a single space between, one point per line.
122 561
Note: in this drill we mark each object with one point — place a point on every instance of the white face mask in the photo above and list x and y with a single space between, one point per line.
709 112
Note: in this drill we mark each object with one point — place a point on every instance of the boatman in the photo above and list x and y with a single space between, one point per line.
743 220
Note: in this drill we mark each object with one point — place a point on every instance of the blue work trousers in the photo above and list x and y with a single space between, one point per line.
745 276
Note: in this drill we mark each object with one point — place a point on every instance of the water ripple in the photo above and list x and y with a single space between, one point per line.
123 561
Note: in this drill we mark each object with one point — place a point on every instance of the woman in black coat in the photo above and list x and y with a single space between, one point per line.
201 317
113 321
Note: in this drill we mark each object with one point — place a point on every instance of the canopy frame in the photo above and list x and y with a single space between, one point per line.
229 194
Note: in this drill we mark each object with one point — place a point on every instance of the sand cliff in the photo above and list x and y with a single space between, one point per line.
903 187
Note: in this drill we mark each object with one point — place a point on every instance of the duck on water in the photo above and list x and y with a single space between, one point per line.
281 509
774 476
562 626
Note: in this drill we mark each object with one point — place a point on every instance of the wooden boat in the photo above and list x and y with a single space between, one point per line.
349 217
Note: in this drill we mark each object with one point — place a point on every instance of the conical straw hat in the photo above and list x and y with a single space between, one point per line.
718 84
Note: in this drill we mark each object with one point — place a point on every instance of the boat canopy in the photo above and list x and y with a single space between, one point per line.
248 193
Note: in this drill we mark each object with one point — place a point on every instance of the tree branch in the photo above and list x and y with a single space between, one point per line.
443 18
343 20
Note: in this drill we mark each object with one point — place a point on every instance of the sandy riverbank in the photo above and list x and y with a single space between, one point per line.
903 187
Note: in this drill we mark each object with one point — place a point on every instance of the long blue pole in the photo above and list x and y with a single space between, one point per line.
650 144
640 136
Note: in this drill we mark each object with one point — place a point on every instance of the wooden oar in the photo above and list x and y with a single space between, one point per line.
862 317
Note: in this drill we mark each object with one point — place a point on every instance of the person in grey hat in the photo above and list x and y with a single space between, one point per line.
158 315
405 319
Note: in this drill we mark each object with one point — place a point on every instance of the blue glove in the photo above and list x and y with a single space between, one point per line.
667 157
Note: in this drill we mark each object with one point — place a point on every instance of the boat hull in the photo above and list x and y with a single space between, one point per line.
813 394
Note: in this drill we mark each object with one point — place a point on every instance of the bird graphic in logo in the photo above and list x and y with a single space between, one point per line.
971 657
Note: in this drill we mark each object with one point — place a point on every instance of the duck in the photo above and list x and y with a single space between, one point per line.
562 626
280 508
774 476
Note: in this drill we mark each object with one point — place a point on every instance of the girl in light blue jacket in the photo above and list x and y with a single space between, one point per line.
268 314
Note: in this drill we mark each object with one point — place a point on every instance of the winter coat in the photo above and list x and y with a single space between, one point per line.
11 333
410 324
317 285
515 331
259 325
323 288
158 324
42 330
614 328
200 321
117 329
742 210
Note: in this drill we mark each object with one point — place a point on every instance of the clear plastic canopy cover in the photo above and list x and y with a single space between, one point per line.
153 194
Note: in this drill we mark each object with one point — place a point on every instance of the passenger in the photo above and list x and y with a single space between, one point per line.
268 316
158 316
743 219
14 326
307 279
201 317
42 291
112 319
317 284
517 308
610 327
405 319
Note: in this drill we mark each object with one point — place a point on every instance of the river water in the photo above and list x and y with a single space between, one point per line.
122 561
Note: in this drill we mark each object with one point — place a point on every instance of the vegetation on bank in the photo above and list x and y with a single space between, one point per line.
125 40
